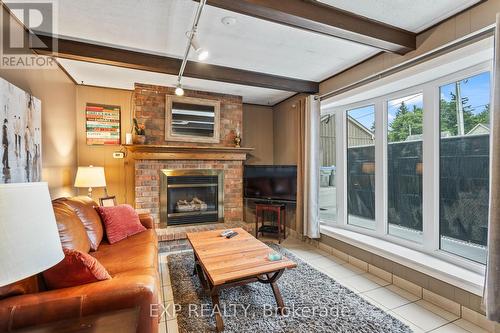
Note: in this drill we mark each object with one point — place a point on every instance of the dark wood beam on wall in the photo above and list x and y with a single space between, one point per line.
320 18
107 55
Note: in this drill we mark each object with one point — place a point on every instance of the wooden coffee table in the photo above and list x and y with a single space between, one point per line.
223 263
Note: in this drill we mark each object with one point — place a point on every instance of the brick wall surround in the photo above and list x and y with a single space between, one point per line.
149 102
147 184
150 109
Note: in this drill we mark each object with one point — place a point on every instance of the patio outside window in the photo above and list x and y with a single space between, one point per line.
464 166
361 167
404 166
328 188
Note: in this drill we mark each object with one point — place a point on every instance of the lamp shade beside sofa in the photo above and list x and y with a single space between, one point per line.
29 241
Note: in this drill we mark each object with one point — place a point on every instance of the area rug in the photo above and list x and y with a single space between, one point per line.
315 302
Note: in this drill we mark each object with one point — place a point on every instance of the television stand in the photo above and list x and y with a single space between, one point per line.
279 229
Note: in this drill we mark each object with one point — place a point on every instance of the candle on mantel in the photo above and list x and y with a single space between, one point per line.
238 132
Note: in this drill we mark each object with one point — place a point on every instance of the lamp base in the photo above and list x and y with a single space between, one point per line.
90 193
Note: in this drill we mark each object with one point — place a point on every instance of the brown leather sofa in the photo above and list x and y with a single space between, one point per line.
132 263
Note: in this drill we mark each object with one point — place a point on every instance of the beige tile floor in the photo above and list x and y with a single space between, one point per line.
417 313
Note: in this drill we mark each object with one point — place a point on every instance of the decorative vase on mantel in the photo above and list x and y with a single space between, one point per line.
139 133
138 139
237 136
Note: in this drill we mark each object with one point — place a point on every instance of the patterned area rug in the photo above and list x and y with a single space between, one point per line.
315 302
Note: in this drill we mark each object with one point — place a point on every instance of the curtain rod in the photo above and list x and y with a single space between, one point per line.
455 45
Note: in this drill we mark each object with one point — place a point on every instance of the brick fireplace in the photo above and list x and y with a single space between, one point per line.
148 162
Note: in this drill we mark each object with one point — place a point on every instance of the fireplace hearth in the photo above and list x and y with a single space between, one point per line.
191 196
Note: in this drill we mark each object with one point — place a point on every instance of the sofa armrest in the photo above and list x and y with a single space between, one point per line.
147 221
132 290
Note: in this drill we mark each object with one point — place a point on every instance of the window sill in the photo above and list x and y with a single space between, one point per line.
422 262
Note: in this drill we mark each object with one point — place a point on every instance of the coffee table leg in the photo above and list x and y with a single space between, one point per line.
219 323
199 271
277 293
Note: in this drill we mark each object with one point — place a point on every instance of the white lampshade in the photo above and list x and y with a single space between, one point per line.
29 239
90 176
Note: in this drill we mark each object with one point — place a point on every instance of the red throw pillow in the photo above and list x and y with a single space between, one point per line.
120 222
75 269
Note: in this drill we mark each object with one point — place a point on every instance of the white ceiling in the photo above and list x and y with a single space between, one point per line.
124 78
411 15
159 26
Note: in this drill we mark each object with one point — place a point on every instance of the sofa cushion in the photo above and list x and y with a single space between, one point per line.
84 207
75 269
136 252
120 222
71 230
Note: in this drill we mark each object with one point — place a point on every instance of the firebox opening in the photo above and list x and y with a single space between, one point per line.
190 196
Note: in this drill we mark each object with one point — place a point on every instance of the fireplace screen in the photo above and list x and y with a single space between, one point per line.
191 196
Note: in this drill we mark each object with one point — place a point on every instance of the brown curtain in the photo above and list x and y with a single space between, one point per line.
301 153
308 167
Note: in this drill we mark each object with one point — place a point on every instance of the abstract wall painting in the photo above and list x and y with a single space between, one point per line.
21 135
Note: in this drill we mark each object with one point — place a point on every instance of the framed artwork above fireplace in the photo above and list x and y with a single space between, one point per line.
191 119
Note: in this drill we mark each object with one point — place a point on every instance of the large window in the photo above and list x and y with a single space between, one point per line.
328 190
361 167
464 166
404 166
412 166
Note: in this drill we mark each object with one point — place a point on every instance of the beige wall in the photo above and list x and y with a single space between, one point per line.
116 176
57 93
461 25
258 133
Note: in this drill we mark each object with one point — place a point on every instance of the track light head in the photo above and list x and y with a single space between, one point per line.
200 51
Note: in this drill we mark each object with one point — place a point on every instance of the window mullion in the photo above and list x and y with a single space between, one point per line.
380 168
430 208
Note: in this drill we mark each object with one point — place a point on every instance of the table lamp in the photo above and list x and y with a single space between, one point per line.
29 239
90 176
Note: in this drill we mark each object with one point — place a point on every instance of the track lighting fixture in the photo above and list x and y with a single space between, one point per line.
202 54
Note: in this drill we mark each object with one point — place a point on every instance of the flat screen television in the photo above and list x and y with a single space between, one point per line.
270 182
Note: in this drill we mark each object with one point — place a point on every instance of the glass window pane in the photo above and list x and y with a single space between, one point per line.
404 167
361 167
464 166
327 190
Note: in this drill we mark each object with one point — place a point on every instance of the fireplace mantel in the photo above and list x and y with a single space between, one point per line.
167 152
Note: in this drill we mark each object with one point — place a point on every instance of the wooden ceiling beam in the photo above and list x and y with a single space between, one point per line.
327 20
107 55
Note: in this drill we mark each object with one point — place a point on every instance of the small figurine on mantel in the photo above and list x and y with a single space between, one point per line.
139 133
237 137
